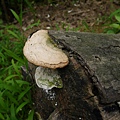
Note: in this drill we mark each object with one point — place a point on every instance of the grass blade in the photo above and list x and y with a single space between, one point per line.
16 16
21 82
1 117
21 106
2 104
31 115
9 77
114 13
13 55
117 17
23 93
16 68
12 110
11 97
13 34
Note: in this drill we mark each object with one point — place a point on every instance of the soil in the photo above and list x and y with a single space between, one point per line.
82 15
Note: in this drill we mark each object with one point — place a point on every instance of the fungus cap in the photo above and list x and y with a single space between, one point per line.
40 51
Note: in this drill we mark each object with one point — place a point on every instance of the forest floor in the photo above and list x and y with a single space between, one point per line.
89 16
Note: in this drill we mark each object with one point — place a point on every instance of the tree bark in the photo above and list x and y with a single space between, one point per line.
91 81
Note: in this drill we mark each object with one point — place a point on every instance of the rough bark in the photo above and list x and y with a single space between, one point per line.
91 81
100 56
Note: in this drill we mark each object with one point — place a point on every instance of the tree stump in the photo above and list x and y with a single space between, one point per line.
91 81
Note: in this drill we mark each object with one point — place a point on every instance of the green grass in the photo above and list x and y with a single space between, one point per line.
15 92
15 95
114 23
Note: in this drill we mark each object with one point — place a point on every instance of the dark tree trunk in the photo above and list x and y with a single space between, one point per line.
91 81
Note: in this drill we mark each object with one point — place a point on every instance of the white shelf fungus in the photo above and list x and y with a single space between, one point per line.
40 50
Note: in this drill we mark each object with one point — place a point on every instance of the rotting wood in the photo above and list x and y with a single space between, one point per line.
91 80
100 54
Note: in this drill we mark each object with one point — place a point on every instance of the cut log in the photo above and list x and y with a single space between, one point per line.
91 81
100 56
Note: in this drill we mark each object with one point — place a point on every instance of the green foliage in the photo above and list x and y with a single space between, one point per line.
114 26
33 25
15 95
18 17
29 4
68 27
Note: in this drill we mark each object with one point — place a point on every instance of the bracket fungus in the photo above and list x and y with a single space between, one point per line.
47 78
41 51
